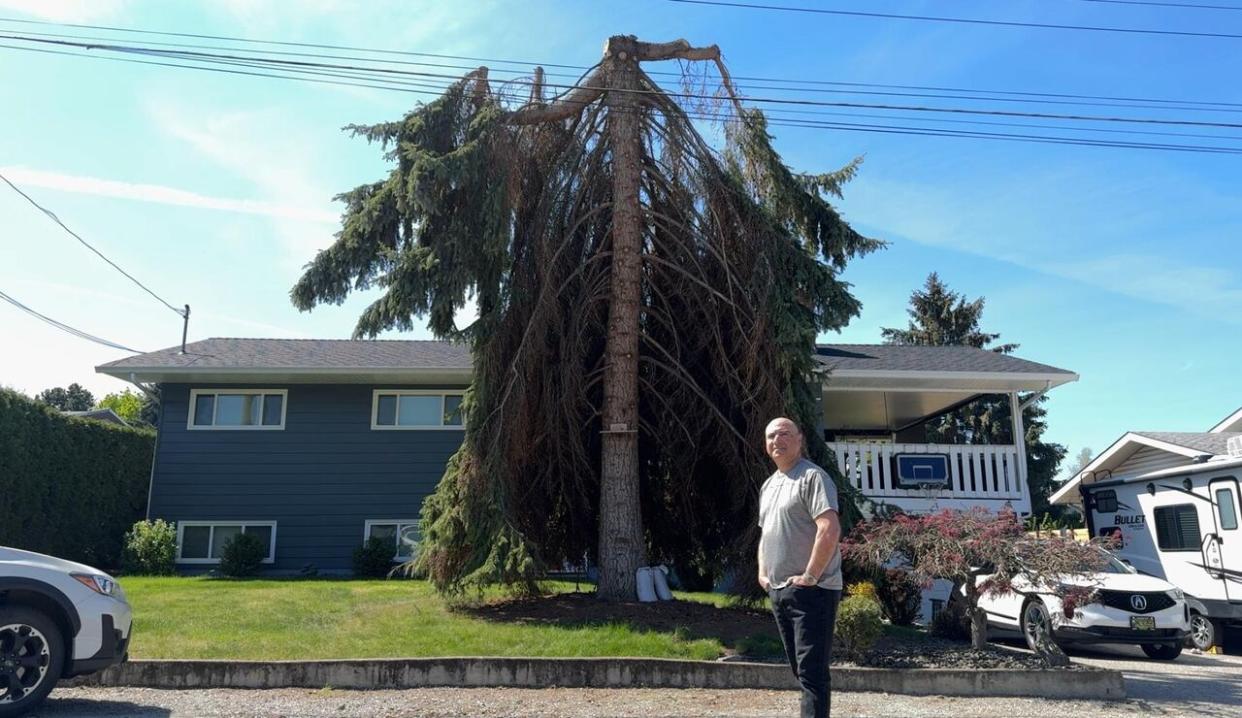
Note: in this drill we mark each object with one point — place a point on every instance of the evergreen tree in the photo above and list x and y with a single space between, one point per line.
941 317
75 397
645 305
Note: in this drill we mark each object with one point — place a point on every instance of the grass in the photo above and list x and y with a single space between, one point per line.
180 617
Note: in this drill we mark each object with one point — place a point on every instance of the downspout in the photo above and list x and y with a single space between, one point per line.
155 450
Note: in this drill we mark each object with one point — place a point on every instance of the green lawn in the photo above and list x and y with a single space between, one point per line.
178 617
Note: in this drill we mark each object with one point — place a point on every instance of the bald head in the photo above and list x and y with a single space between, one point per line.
782 439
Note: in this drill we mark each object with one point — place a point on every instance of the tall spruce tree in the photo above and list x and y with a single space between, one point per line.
941 317
645 305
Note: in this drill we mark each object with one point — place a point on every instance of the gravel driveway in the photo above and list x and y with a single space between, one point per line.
1193 685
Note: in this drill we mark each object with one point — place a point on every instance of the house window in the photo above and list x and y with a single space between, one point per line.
413 409
203 541
1106 501
1177 528
1228 512
402 533
237 408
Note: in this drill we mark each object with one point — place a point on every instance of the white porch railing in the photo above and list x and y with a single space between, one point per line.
988 476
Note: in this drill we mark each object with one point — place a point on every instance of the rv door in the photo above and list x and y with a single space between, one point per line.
1222 551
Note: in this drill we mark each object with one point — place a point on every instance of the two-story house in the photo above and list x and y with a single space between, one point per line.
315 445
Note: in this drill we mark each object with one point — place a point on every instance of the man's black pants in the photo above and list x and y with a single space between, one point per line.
805 616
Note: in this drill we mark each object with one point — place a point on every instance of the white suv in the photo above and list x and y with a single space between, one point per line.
1130 608
57 619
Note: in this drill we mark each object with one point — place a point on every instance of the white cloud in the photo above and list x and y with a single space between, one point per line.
66 10
262 148
160 194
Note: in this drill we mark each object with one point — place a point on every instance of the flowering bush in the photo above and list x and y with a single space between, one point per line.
963 546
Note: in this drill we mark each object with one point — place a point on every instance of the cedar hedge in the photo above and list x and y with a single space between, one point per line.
72 487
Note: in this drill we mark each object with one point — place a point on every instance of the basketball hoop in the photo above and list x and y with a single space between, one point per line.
931 491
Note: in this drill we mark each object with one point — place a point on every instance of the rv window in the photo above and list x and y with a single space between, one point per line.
1106 501
1228 513
1177 528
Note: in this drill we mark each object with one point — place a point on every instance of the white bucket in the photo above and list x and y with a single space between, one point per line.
646 585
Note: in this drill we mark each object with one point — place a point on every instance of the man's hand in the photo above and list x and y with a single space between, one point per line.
764 583
803 580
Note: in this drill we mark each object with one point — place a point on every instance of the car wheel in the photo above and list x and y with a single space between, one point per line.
1036 624
32 656
1204 632
1162 651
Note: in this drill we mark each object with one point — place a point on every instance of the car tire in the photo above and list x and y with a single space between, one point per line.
32 657
1204 632
1162 651
1035 619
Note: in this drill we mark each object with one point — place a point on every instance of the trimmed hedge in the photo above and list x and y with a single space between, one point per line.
71 487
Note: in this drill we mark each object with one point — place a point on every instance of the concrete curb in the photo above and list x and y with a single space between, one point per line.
597 673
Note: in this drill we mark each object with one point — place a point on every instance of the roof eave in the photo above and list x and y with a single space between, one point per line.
343 375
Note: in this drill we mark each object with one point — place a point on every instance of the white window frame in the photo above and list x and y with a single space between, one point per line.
366 533
195 393
442 393
271 554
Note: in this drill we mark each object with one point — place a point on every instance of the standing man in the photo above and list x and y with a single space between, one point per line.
800 560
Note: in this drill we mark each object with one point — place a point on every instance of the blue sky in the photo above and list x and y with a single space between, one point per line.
1122 265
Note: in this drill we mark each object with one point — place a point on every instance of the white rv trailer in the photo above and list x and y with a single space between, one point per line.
1176 514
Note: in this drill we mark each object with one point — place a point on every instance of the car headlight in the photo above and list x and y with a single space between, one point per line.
1178 594
98 584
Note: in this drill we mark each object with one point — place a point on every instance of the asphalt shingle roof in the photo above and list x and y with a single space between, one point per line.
221 353
302 354
891 357
1208 443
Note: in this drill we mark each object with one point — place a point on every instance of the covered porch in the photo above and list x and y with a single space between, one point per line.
878 401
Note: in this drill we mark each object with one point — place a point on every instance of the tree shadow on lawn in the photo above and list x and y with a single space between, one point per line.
743 630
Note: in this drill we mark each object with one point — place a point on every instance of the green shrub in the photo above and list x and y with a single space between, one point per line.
71 487
952 622
858 625
150 548
373 559
242 555
900 597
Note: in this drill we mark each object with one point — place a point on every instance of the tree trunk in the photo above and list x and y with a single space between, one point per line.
621 550
978 617
978 628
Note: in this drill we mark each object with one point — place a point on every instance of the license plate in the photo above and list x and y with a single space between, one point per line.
1143 623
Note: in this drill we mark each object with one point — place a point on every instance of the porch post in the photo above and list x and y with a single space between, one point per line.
1019 440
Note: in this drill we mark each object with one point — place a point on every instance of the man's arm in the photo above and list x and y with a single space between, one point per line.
827 534
763 571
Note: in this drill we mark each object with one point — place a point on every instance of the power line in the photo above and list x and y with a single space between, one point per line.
436 89
562 65
66 328
86 244
291 65
965 21
1195 6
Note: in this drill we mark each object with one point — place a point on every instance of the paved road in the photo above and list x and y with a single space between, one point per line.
1194 685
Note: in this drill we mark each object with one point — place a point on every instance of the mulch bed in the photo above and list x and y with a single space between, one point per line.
745 631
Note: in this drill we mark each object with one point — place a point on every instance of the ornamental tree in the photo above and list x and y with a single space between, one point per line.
964 546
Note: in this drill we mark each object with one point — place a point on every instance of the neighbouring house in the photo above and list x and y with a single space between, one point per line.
105 415
1139 453
315 445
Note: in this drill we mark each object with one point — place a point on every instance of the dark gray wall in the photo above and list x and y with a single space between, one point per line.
320 478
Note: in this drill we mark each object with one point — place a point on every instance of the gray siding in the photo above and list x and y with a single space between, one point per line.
320 478
1149 459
